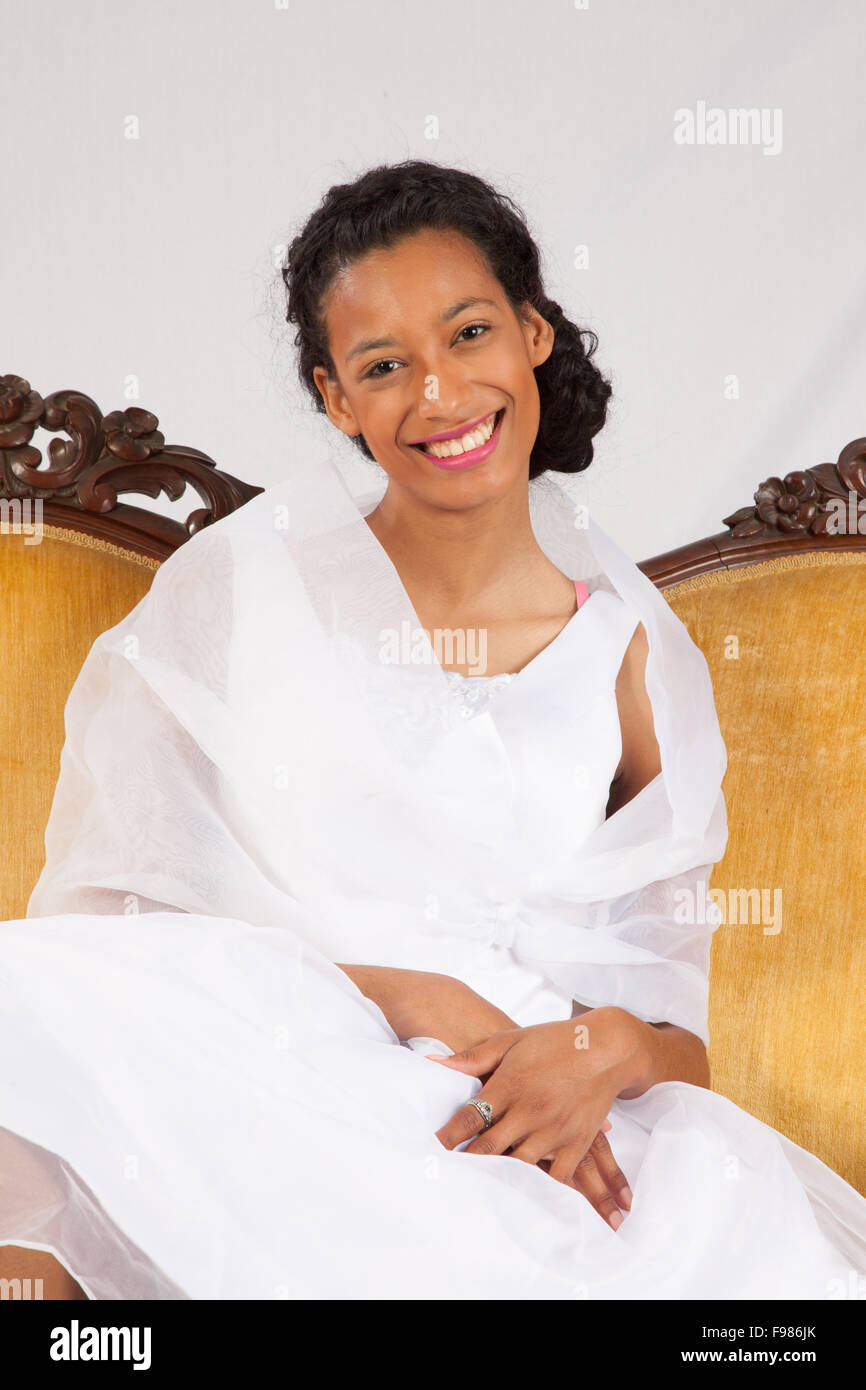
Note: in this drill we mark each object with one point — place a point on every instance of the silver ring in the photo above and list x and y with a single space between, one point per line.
485 1110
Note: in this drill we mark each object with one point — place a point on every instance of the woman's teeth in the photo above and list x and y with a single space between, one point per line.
449 448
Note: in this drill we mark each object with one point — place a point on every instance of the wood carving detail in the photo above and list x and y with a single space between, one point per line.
124 452
806 501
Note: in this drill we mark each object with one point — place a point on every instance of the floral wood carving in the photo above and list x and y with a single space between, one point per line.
804 502
104 456
818 509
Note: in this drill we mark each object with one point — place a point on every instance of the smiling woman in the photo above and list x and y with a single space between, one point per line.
467 388
285 870
444 384
477 297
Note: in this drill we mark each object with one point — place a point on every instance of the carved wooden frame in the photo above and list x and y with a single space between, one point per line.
125 452
106 455
789 516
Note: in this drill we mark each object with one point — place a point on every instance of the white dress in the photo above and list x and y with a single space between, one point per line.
197 1107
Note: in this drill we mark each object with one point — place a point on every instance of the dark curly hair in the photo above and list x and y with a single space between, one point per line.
390 202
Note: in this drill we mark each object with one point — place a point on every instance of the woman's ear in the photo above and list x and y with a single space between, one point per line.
336 406
538 333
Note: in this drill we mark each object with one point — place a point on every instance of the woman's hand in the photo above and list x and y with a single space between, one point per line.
551 1087
427 1004
601 1180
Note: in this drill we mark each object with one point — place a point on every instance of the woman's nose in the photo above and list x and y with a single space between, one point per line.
444 396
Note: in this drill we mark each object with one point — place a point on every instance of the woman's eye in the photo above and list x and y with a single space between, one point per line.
483 326
374 370
385 361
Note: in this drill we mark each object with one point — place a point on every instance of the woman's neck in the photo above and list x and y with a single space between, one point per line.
482 562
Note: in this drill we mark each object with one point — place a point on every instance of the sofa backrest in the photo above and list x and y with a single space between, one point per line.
778 611
785 641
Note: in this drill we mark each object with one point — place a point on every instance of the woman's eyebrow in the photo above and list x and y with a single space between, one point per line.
369 344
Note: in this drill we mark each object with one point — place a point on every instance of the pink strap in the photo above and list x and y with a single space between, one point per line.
582 592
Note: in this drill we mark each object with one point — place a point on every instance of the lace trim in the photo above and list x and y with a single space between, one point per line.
476 691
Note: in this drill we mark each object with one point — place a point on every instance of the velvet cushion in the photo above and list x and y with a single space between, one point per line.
57 595
784 643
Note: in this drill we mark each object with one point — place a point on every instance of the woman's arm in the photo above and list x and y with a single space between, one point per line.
661 1052
641 759
422 1003
419 1003
664 1051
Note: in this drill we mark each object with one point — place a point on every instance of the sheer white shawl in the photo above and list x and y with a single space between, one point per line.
239 746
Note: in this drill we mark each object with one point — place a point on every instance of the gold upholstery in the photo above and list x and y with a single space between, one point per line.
57 597
787 1018
788 1026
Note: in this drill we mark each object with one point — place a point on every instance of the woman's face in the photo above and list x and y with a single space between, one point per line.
414 359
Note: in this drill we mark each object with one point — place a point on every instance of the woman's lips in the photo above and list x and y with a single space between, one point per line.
472 456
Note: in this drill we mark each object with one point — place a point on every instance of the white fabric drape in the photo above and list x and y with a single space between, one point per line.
250 793
239 746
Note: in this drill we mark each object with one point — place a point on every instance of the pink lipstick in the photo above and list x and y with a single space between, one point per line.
473 456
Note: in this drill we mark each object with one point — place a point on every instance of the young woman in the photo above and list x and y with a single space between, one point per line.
370 954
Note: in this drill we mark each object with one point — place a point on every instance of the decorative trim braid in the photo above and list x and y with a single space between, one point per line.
816 559
80 538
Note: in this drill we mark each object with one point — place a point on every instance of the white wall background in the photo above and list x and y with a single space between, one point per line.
727 286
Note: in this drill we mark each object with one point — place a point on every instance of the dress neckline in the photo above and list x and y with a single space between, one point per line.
580 588
511 676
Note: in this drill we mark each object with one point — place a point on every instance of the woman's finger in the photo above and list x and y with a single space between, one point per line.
481 1059
589 1180
565 1161
611 1171
498 1139
468 1122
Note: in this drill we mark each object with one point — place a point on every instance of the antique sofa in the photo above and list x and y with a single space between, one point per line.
776 602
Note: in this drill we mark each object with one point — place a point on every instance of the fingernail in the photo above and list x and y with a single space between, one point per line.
616 1219
432 1057
627 1197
